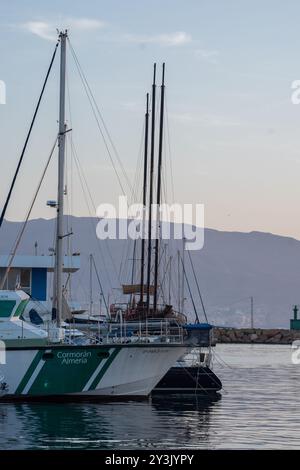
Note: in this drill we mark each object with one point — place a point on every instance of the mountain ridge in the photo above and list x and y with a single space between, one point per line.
231 266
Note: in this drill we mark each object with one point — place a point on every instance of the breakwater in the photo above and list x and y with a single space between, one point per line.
255 335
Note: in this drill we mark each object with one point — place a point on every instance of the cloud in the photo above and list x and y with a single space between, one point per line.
207 55
41 29
178 38
48 30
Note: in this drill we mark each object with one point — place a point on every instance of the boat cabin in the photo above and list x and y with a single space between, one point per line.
30 273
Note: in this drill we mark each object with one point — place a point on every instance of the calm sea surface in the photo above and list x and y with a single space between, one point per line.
259 407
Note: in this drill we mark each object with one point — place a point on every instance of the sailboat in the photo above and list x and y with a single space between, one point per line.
192 372
146 308
36 363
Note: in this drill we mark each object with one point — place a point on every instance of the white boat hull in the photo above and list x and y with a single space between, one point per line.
106 371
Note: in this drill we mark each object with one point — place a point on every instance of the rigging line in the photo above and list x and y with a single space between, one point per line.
197 284
198 386
103 137
71 159
67 214
69 194
90 218
137 196
190 292
164 277
17 242
138 169
102 119
164 184
100 284
52 282
97 244
220 360
125 270
93 205
169 148
164 189
80 284
165 178
79 167
94 108
161 254
82 176
136 179
27 137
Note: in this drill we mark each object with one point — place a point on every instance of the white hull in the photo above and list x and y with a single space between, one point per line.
122 370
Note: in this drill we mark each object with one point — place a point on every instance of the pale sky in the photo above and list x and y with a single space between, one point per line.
234 133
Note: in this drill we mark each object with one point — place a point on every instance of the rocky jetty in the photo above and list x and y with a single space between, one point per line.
255 335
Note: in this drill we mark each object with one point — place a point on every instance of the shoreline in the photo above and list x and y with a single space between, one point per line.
255 335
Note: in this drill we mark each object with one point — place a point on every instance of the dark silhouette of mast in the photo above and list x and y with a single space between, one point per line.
151 189
144 198
158 196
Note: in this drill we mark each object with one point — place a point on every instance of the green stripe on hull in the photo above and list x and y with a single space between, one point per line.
68 370
29 372
104 368
20 308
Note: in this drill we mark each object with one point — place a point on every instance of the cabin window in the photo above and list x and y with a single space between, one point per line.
25 280
35 318
12 279
18 278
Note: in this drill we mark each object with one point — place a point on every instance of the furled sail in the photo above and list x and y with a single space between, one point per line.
136 289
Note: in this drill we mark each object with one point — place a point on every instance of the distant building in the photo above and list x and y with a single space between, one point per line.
29 273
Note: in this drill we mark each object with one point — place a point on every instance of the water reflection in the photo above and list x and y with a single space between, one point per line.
259 408
106 425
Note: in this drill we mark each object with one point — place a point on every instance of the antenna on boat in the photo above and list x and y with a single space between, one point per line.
144 197
58 297
151 188
158 196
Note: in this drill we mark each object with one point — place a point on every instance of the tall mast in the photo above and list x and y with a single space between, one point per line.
144 197
151 189
158 196
133 268
58 298
178 280
170 278
91 284
183 276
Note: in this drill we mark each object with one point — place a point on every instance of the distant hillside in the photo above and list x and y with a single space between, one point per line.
230 268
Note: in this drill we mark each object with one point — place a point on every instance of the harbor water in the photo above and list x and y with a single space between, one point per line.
258 408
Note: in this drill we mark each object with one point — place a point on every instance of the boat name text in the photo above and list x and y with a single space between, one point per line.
74 357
